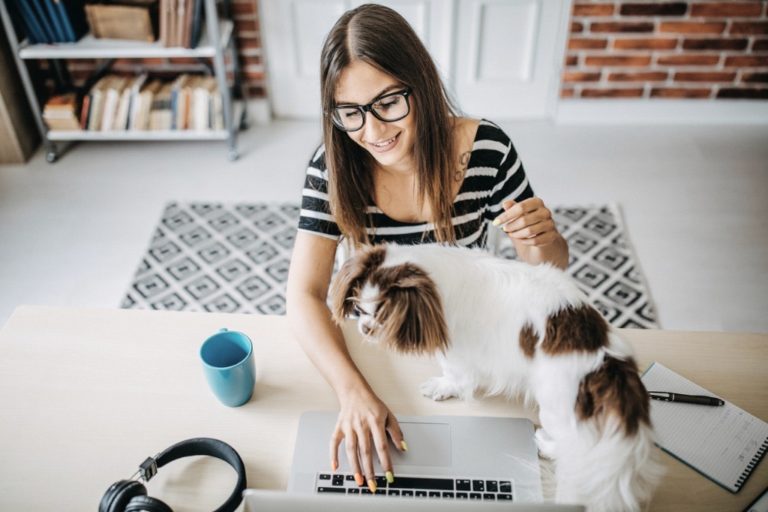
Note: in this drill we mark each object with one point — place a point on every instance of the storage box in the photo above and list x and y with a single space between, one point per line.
136 22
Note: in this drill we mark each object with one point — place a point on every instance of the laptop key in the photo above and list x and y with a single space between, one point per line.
349 478
421 494
492 486
381 481
407 493
324 490
338 480
365 490
448 495
380 492
475 496
505 486
478 485
463 485
504 496
325 476
462 496
489 496
411 482
434 494
393 492
353 490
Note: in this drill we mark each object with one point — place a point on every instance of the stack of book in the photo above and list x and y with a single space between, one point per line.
52 21
181 22
60 112
119 103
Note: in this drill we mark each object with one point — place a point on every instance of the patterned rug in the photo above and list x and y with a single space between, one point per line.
234 258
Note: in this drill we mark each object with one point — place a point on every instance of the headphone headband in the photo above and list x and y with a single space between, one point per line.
120 493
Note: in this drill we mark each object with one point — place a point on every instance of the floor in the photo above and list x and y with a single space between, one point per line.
694 198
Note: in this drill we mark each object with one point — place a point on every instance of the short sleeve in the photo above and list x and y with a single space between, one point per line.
315 215
510 182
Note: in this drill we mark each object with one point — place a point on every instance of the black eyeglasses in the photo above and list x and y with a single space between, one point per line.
389 108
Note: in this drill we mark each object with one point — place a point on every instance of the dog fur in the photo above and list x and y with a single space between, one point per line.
510 328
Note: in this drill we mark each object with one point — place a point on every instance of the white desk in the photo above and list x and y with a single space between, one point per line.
86 395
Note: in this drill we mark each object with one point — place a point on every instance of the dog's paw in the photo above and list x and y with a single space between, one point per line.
439 388
545 443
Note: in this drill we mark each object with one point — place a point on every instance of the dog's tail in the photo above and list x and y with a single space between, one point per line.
611 464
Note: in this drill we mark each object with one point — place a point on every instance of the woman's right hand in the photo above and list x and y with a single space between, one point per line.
364 422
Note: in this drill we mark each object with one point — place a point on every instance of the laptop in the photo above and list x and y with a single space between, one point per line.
277 501
465 458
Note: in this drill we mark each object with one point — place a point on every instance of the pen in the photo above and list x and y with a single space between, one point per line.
686 399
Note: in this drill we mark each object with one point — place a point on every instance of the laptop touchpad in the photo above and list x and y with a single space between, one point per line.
429 444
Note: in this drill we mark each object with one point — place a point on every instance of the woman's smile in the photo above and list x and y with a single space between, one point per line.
382 146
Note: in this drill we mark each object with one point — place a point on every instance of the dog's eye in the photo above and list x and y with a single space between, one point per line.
356 310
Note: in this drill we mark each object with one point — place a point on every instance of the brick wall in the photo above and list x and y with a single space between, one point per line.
657 49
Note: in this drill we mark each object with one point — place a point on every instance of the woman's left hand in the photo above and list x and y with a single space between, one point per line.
528 222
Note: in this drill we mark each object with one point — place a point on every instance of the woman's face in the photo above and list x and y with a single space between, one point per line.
391 144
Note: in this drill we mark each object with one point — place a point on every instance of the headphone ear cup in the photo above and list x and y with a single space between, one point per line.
146 503
120 494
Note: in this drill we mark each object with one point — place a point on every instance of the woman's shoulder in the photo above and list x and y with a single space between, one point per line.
488 130
318 158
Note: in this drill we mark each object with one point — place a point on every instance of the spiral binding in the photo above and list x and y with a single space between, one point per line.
752 463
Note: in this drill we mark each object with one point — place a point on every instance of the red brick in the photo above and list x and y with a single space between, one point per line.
250 60
761 77
716 9
679 92
645 44
593 9
760 45
621 27
744 27
612 93
244 8
576 27
255 91
246 26
248 42
687 60
692 27
254 75
744 61
743 93
567 93
618 60
581 76
643 76
583 43
571 60
654 9
704 76
715 44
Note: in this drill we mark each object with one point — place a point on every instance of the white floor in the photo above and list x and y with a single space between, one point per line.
695 200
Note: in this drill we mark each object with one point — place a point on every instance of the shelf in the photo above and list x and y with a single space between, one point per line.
89 47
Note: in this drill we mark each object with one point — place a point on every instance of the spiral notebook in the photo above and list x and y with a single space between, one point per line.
723 443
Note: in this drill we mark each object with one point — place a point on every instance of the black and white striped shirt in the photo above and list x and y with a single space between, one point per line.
494 173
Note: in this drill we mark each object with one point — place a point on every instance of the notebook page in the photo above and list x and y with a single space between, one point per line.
724 443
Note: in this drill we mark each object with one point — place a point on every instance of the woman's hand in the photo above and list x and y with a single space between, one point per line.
530 226
364 422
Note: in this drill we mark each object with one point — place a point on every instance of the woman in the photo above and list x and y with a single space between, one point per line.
398 164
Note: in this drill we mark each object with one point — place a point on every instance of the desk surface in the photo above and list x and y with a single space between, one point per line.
87 394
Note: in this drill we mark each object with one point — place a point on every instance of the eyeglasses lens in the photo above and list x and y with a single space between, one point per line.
390 108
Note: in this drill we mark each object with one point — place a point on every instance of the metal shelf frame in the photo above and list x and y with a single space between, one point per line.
218 38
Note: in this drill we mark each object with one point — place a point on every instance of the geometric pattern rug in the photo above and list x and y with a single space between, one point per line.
223 257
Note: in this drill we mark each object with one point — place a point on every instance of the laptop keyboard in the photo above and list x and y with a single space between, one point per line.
419 487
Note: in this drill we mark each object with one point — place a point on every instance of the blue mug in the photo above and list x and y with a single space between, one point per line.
228 364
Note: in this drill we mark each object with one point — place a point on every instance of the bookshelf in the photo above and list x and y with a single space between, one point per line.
217 39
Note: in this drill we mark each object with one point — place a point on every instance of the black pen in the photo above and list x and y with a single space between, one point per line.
685 399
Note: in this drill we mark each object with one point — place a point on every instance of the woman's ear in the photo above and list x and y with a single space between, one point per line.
350 278
411 312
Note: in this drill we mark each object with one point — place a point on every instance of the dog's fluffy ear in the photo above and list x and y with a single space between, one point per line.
351 277
410 311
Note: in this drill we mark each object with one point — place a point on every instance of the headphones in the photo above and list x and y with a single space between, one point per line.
131 495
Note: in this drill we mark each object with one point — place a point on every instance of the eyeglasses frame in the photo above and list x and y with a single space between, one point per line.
405 93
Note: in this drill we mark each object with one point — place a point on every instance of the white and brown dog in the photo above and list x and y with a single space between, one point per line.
515 329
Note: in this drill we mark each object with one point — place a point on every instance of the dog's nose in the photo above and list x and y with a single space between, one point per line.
366 330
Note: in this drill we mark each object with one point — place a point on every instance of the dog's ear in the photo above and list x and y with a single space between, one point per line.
351 276
410 312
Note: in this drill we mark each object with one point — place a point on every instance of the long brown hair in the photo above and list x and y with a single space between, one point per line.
382 38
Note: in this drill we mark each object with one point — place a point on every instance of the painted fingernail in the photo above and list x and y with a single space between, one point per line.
496 221
403 445
372 485
359 480
334 465
390 477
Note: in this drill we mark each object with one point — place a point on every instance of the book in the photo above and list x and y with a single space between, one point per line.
60 112
197 24
160 113
72 17
120 22
98 95
42 19
56 24
133 100
111 102
723 443
32 27
144 105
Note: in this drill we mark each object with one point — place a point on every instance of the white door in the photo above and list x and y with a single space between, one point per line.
497 57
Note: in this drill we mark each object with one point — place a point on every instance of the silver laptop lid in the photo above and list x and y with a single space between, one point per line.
459 447
275 501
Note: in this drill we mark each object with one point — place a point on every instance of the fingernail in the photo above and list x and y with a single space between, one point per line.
496 221
372 485
334 465
403 445
359 480
390 477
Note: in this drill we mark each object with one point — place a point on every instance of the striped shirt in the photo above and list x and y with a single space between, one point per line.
494 173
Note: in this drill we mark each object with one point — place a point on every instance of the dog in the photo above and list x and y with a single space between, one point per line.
511 328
